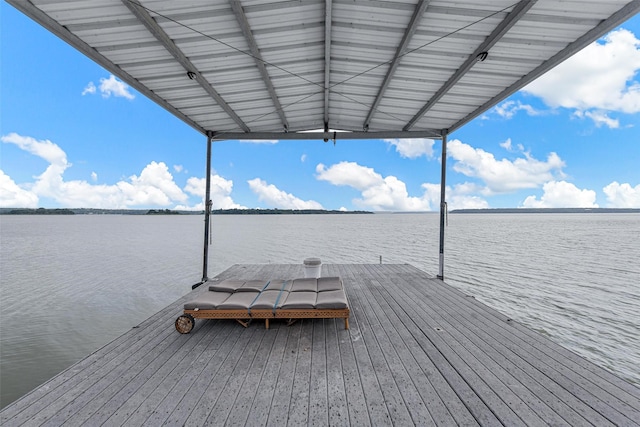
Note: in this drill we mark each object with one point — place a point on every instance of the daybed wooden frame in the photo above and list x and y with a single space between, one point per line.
185 323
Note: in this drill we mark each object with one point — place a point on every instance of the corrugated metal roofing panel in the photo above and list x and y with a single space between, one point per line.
390 65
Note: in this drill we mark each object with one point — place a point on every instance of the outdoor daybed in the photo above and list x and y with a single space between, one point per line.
245 300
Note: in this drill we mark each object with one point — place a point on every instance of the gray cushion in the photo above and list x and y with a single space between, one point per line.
329 284
304 300
277 285
305 285
238 301
252 286
331 299
227 285
266 300
207 301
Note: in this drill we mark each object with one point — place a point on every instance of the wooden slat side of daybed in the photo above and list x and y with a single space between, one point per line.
417 352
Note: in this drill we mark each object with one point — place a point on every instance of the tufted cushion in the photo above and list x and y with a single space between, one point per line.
207 301
329 284
302 300
252 286
266 300
239 301
305 285
227 285
331 299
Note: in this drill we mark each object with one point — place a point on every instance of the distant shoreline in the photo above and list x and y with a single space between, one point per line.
91 211
546 210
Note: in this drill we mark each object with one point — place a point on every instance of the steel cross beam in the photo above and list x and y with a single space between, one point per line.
147 20
327 58
518 12
406 38
255 52
607 25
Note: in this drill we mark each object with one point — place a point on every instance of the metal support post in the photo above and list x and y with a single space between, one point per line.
443 203
207 212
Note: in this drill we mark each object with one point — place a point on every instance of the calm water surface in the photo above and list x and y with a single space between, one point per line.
71 284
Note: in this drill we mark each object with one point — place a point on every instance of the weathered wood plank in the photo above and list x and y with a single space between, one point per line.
486 408
376 405
542 388
608 401
403 402
318 395
265 391
152 403
354 388
418 352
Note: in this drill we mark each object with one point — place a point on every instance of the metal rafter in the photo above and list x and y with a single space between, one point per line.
255 52
327 57
607 25
406 38
63 32
511 19
147 20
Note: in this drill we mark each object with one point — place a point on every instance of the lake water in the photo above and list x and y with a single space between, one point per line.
70 284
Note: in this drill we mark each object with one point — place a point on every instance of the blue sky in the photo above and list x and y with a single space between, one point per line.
73 135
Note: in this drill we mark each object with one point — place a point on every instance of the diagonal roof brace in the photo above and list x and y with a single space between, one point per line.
406 38
29 9
327 57
511 19
609 24
255 52
147 20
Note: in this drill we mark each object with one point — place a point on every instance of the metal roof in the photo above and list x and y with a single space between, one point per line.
255 69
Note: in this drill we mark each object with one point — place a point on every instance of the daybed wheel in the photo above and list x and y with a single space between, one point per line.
185 323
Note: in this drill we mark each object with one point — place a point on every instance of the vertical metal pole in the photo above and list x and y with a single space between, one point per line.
443 203
207 212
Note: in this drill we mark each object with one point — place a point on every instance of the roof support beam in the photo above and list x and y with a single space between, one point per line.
605 26
406 38
147 20
443 203
518 12
255 52
327 57
326 136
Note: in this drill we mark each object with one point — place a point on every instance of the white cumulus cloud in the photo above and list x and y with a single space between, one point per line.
622 195
89 89
501 176
115 87
277 198
13 196
378 193
44 149
562 194
413 148
600 118
154 186
510 108
220 193
598 78
108 87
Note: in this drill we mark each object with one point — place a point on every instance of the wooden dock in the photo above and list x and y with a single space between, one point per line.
418 352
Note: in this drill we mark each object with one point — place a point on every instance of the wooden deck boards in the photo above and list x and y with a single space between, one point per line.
418 352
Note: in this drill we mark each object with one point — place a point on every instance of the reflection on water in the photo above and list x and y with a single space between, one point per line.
71 284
